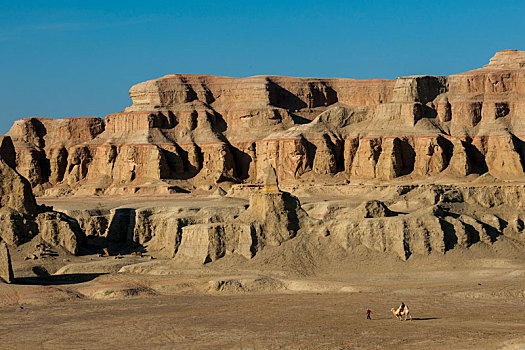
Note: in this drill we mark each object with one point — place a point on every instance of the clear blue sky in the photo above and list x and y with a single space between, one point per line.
79 58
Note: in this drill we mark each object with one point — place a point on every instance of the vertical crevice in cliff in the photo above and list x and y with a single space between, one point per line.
339 151
476 112
122 225
243 161
45 165
310 151
519 146
350 149
408 156
190 95
475 156
219 125
447 148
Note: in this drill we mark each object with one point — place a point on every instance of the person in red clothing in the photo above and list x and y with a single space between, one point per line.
368 313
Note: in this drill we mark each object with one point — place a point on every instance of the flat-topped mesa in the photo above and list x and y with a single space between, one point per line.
197 130
175 90
507 59
253 107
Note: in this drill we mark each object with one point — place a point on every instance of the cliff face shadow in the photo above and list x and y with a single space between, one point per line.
450 238
291 205
242 162
282 98
408 156
219 124
299 120
121 228
98 245
311 149
179 166
119 237
519 145
479 166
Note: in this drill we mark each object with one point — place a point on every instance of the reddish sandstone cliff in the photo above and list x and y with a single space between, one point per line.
203 129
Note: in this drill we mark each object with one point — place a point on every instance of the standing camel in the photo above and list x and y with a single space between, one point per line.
402 312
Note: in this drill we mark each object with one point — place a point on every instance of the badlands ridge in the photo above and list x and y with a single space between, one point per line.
203 167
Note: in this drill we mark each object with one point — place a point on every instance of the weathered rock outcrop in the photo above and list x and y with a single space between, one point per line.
275 217
409 220
203 243
6 269
194 129
21 218
421 232
272 218
373 209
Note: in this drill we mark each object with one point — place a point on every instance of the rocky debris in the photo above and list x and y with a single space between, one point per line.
15 190
158 227
409 220
373 209
16 228
272 218
6 269
59 230
422 232
246 285
219 192
42 251
93 222
451 196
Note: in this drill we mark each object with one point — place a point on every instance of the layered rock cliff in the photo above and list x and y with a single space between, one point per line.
187 130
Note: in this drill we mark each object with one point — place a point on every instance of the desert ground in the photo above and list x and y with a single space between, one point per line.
467 298
466 307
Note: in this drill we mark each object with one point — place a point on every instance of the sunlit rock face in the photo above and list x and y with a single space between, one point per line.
198 130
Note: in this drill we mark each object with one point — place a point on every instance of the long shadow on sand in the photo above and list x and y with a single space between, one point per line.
72 278
424 318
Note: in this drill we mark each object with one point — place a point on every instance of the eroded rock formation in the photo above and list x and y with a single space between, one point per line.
207 129
6 269
272 218
21 218
188 132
